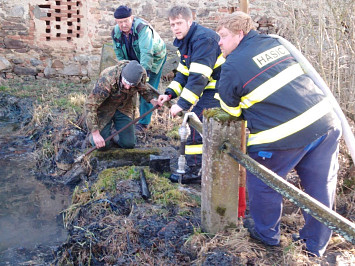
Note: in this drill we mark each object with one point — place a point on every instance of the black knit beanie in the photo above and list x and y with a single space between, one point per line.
122 12
133 72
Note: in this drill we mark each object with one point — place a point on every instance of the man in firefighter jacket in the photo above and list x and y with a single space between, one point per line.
195 80
111 103
292 126
135 39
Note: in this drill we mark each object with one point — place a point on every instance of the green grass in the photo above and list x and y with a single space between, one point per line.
4 88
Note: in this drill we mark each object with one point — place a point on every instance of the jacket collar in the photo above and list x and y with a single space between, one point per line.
180 43
250 35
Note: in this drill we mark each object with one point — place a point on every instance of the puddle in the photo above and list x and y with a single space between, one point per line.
29 210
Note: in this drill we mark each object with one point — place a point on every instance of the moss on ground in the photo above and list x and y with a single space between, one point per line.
134 155
163 192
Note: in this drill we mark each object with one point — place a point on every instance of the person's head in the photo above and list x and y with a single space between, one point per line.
232 29
132 74
124 18
180 18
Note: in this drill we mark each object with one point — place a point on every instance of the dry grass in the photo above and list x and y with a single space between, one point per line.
324 31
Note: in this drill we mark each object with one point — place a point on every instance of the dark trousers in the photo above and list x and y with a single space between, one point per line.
317 166
127 138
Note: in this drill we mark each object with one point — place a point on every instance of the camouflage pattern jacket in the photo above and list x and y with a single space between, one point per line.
109 95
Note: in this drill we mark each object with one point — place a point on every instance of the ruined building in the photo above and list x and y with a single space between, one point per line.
65 37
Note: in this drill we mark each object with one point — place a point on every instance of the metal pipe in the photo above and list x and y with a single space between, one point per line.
144 186
319 211
194 121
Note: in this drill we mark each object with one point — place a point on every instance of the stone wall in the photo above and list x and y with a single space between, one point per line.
65 37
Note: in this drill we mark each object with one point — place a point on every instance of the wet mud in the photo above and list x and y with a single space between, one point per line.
30 212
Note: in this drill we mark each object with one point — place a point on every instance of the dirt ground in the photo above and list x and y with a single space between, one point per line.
109 223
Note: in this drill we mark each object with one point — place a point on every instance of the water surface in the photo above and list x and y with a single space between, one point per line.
29 210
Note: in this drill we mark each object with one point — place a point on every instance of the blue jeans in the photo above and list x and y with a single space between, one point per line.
316 166
127 138
154 80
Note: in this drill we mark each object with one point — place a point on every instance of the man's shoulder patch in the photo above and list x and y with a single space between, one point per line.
270 56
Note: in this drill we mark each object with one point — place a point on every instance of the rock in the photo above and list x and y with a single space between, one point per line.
10 26
14 44
38 13
5 65
72 70
57 64
17 61
85 79
35 62
25 71
48 71
17 11
170 65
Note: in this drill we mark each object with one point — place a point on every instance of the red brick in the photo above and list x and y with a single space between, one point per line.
223 9
58 39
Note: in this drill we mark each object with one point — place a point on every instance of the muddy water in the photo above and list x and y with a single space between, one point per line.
29 210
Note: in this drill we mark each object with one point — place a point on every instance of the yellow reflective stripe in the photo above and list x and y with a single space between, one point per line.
271 86
235 111
211 84
193 149
183 69
290 127
201 69
220 61
189 96
176 87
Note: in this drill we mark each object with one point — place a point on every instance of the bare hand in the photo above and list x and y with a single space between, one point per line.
175 109
98 139
163 98
155 102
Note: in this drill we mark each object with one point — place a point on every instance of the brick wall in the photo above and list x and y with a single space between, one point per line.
65 37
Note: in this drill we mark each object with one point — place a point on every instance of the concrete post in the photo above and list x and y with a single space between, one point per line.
220 174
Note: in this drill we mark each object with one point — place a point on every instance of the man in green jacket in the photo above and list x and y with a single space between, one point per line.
135 39
111 102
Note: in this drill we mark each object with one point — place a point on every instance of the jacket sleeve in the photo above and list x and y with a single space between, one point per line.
202 60
229 89
175 87
146 47
98 95
117 47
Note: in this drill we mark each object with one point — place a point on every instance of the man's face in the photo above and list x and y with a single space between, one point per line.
125 84
180 27
125 24
228 41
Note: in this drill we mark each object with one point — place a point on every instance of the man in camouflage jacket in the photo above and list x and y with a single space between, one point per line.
111 102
